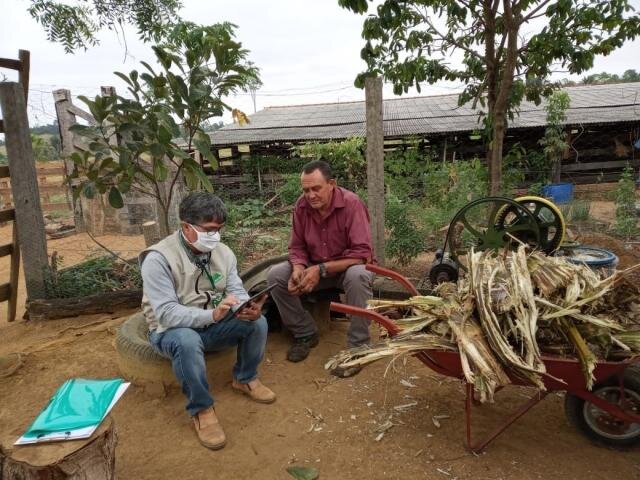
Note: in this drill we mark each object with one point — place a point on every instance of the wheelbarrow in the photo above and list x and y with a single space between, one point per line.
608 414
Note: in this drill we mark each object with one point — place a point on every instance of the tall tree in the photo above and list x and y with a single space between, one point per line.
75 24
142 143
509 49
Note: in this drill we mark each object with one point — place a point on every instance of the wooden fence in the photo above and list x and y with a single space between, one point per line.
54 194
28 225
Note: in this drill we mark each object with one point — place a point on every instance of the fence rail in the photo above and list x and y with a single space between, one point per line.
51 185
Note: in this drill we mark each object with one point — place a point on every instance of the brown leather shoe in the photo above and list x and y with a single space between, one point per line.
256 390
209 430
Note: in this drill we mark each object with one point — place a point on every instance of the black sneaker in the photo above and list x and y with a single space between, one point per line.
301 347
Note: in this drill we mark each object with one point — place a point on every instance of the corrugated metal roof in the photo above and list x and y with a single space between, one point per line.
590 104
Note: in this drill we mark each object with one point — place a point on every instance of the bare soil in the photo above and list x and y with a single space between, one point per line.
331 424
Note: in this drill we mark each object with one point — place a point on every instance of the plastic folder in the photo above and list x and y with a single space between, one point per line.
75 410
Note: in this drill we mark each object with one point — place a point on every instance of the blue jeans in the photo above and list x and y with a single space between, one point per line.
186 348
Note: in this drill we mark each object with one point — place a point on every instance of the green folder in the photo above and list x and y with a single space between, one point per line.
78 403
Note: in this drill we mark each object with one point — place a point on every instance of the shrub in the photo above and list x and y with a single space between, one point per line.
626 223
290 190
405 240
97 275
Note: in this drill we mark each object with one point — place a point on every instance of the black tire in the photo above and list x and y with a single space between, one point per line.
601 427
132 340
255 279
246 275
140 363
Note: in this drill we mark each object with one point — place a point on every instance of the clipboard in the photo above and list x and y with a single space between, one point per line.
232 313
74 411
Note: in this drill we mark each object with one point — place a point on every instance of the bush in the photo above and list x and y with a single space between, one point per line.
346 158
405 240
290 190
97 275
576 211
626 223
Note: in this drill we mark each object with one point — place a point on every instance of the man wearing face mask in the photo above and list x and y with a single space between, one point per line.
190 283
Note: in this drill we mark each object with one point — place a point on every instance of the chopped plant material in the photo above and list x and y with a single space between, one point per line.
510 309
97 275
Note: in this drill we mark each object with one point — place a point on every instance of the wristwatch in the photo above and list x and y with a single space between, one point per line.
323 270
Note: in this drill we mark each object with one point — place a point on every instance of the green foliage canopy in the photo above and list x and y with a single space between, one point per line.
509 49
139 143
75 25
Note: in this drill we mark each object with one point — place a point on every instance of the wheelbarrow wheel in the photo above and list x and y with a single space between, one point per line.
600 426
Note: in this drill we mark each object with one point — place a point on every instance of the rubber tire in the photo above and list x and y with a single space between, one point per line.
609 258
141 364
254 279
574 410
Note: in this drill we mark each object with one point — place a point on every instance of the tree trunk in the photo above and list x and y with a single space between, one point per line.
89 459
53 308
495 163
556 170
163 220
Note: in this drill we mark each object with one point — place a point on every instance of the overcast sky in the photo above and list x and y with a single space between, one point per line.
308 52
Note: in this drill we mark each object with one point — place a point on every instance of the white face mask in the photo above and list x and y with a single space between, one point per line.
206 241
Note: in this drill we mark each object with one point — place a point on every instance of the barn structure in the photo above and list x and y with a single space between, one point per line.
603 124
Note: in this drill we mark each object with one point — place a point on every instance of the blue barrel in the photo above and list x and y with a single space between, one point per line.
559 192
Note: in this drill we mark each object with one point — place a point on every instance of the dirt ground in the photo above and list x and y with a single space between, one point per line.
333 425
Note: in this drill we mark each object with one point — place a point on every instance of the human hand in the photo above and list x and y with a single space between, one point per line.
295 279
223 307
310 278
253 311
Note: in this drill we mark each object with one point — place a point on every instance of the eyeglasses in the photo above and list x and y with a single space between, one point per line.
200 228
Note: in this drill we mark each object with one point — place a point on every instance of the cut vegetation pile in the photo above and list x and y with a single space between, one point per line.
506 312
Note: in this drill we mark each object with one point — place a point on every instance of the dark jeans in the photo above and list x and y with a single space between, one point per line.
186 348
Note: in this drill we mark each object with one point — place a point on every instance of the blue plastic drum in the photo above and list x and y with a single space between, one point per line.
559 192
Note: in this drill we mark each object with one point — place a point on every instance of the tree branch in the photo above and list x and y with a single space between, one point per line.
532 14
450 39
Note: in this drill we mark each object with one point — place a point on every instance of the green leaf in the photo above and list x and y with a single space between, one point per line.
303 473
124 78
160 171
164 135
115 198
203 144
124 185
89 190
157 150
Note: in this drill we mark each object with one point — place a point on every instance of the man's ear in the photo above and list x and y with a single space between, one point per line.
185 230
333 182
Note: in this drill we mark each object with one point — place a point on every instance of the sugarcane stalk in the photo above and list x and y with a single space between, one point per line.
585 355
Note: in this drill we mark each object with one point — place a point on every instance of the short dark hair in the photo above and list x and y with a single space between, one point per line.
202 207
324 167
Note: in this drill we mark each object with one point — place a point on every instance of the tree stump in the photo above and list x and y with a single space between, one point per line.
151 233
88 459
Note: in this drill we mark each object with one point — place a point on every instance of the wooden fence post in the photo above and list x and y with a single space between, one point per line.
375 163
66 119
24 182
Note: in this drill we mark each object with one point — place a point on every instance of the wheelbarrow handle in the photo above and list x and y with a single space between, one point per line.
401 279
391 327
